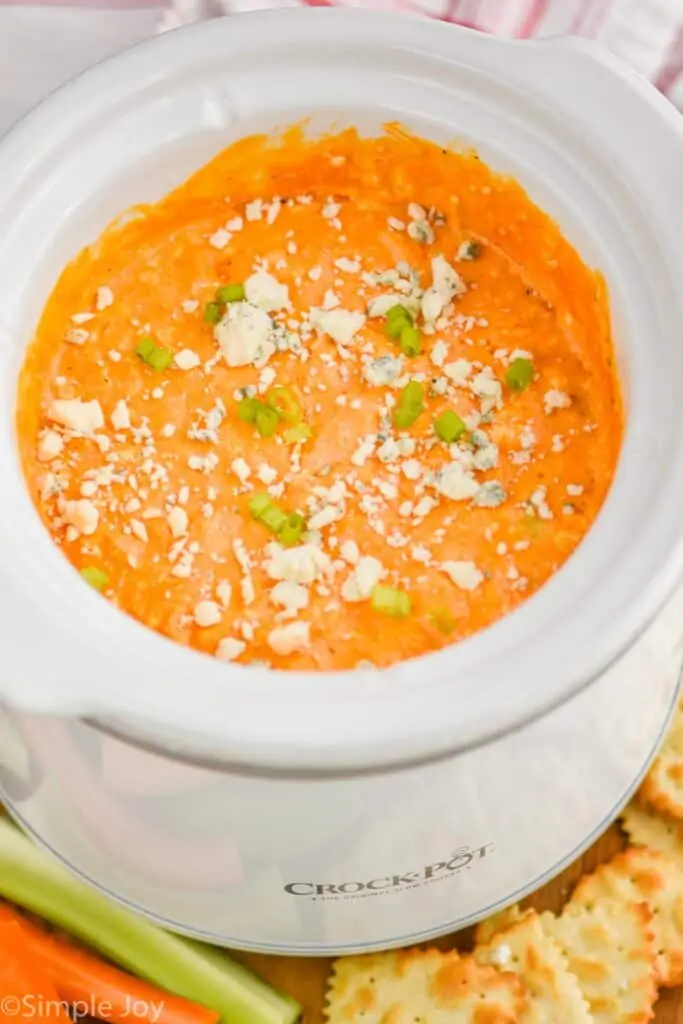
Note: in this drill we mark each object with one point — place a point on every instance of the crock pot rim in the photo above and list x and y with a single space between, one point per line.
662 582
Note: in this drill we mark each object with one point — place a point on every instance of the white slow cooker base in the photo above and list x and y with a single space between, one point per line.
319 867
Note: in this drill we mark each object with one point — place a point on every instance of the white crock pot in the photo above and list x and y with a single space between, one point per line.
323 813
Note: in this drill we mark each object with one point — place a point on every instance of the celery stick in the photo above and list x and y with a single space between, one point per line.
34 880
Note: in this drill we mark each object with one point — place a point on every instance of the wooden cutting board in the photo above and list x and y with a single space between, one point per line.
305 979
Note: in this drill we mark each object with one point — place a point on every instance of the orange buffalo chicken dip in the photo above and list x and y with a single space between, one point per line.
329 403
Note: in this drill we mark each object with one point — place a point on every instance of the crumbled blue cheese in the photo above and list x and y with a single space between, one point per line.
177 522
486 457
454 481
341 325
490 495
303 564
359 584
241 469
284 640
486 387
412 470
439 353
574 490
229 648
82 515
385 371
419 228
120 417
245 335
253 211
446 285
266 292
77 415
50 445
220 239
465 575
292 597
364 450
347 266
555 399
538 501
327 515
104 298
187 359
389 451
349 552
458 372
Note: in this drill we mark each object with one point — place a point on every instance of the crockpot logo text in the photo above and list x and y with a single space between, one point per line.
460 860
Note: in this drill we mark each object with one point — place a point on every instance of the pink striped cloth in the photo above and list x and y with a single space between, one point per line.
44 41
646 33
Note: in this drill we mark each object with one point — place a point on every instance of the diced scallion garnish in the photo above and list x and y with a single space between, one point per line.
246 409
410 341
410 405
288 528
293 530
230 293
398 317
520 374
266 420
156 356
449 426
273 518
266 416
258 504
95 577
390 601
213 312
298 434
283 400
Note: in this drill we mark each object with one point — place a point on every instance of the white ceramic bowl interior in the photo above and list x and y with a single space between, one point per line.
594 145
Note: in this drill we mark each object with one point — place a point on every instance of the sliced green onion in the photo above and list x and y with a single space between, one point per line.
247 409
283 400
266 420
412 394
410 405
156 356
274 519
399 312
230 293
213 312
296 435
390 601
449 426
293 530
95 577
287 528
520 374
398 317
411 341
38 883
258 504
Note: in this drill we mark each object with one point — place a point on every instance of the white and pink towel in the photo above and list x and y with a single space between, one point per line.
43 42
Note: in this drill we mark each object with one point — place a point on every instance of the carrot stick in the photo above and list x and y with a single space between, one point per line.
81 978
25 985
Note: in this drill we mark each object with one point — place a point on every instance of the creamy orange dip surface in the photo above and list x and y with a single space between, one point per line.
269 475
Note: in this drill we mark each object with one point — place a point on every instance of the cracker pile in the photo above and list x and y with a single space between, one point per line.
602 960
